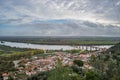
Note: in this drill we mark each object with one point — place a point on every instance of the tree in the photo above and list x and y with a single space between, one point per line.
63 73
91 75
78 62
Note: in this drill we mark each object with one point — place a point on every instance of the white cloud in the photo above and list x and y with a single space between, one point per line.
25 12
66 28
92 10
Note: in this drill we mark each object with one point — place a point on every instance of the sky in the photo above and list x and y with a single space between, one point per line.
60 18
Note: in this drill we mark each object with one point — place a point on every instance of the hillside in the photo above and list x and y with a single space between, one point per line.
108 63
115 49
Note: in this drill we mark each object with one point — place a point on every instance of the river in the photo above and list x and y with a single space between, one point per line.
51 47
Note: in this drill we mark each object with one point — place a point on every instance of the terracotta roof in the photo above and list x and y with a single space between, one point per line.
4 74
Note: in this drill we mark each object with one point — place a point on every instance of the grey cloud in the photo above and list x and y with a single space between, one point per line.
56 9
74 28
21 14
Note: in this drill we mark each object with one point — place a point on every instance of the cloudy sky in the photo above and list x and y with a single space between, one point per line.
60 18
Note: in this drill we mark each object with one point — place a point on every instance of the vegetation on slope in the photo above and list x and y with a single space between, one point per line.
108 64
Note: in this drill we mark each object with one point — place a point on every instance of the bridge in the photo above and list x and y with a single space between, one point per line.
90 48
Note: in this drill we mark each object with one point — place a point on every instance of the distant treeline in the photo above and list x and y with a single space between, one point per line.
65 40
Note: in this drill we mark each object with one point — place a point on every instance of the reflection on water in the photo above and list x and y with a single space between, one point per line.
51 47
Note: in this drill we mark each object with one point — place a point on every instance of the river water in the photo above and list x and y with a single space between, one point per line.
51 47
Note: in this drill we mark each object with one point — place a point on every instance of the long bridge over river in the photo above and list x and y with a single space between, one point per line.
80 47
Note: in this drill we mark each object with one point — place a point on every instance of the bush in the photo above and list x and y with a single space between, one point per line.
78 62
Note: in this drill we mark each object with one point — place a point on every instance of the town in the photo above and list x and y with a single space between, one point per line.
36 64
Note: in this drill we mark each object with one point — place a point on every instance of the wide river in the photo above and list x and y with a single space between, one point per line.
51 47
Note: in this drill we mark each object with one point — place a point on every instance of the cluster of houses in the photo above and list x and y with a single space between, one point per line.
40 64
